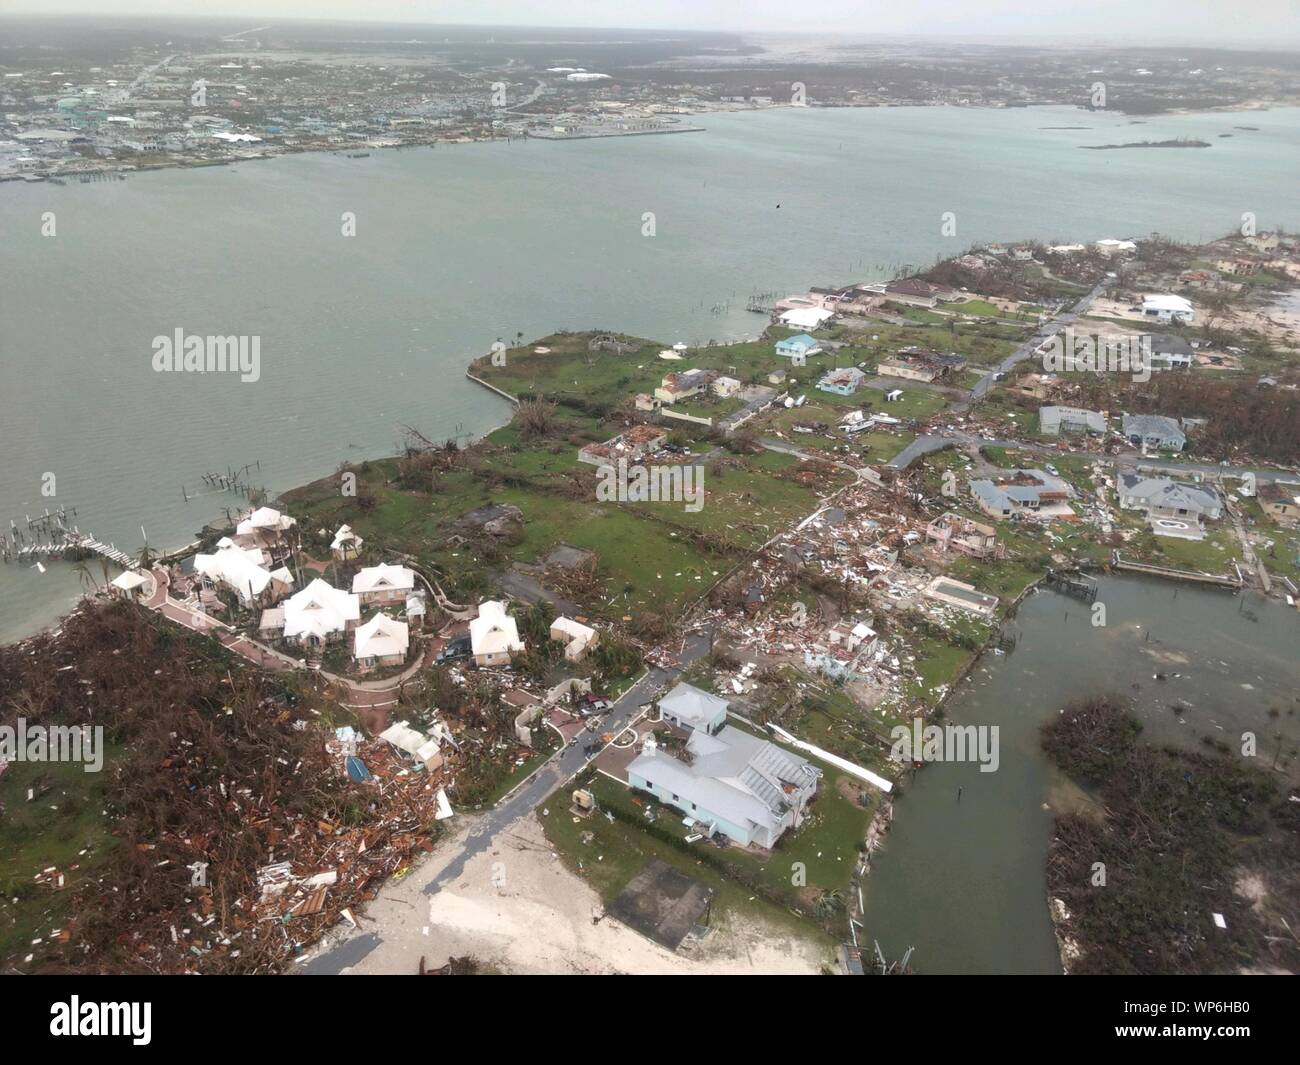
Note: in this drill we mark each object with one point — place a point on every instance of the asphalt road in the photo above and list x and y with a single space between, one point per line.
553 774
1027 349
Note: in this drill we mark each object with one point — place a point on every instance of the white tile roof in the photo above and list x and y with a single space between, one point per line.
380 637
383 577
345 535
319 610
494 631
238 568
265 518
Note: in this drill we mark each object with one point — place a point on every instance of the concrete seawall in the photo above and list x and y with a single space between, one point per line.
492 388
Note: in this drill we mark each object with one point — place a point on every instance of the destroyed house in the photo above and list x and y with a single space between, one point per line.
575 636
913 364
636 444
1281 502
843 382
952 532
678 386
734 784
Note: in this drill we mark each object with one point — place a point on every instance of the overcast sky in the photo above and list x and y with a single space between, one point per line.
1275 22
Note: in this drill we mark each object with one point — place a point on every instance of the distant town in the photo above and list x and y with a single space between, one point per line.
131 102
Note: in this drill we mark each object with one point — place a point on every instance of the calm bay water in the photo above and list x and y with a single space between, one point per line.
457 246
963 880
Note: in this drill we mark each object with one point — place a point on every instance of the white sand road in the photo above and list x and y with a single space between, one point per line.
518 909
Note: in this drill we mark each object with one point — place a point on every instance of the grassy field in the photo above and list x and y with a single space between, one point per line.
604 379
654 556
938 663
63 827
833 721
1214 554
1028 312
877 445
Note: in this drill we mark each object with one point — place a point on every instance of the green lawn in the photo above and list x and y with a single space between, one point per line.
825 845
937 663
53 830
618 851
654 555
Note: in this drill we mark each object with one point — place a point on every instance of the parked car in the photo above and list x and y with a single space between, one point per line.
459 648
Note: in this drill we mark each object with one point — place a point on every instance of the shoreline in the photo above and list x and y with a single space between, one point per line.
126 168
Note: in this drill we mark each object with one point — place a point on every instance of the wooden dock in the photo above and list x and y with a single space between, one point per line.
1076 584
52 535
75 541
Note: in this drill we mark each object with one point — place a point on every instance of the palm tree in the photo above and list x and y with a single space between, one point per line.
86 577
828 904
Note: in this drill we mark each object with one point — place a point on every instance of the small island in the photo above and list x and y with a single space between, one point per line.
1177 142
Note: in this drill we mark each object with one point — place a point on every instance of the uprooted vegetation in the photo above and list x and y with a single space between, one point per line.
1178 835
1244 421
218 765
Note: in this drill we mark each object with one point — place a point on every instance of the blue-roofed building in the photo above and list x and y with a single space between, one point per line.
842 382
798 346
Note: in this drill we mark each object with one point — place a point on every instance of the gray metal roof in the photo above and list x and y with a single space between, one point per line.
1155 426
1052 417
735 775
692 705
1161 491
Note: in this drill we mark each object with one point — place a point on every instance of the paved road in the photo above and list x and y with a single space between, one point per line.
561 767
922 445
1027 349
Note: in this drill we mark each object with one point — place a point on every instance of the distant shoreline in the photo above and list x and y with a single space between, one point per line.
147 163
